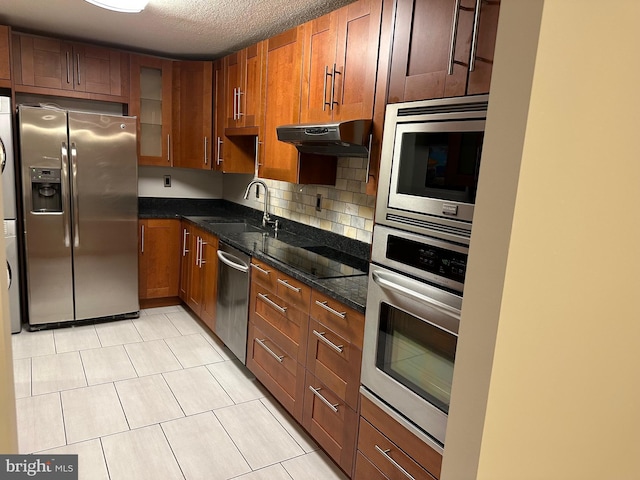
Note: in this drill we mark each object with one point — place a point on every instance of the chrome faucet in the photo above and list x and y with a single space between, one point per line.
266 219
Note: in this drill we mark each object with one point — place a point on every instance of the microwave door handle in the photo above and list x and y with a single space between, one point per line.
380 279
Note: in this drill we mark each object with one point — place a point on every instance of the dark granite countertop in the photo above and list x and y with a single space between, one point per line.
210 215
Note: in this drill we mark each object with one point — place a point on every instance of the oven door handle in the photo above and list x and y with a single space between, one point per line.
384 280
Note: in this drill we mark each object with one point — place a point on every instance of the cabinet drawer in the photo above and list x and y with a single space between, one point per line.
263 274
285 324
293 291
335 362
343 320
386 455
279 372
404 439
330 422
365 470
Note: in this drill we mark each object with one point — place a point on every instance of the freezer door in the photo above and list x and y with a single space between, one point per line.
43 140
104 196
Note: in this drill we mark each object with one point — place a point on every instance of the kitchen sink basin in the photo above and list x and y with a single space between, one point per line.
239 227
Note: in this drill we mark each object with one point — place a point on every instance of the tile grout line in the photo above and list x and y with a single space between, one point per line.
104 457
171 448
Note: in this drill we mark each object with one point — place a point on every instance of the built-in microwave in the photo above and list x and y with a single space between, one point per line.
430 163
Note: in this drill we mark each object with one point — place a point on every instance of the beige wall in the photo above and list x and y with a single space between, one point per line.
547 379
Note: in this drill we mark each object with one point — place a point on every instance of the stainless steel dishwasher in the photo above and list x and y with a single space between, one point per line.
233 299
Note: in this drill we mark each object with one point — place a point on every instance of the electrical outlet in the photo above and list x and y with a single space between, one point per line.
319 202
167 180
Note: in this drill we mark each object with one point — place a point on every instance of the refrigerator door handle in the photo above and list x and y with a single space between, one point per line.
64 151
74 193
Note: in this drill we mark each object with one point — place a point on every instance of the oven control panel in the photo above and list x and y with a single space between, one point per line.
439 261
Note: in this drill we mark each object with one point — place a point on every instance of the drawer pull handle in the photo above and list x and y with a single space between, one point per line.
324 305
272 303
320 335
385 454
261 270
288 285
316 392
269 351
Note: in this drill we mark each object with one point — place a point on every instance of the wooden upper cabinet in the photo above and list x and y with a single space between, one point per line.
278 160
341 51
192 112
43 64
432 49
151 103
283 57
480 77
243 74
238 109
5 64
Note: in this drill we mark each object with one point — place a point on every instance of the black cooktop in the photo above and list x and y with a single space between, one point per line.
320 261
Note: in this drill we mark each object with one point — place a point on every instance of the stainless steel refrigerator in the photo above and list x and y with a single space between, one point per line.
80 203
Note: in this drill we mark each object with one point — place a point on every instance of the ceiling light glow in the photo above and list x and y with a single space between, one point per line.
125 6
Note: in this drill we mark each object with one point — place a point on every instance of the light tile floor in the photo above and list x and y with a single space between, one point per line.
159 397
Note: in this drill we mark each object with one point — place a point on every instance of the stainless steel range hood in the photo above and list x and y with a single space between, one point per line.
340 139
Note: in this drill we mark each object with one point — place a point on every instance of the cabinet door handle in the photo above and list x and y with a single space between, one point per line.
264 297
324 305
218 158
454 36
269 351
142 241
288 285
78 67
333 86
205 150
168 148
332 406
321 336
197 250
240 103
185 234
235 103
324 89
385 454
260 269
68 68
202 244
474 36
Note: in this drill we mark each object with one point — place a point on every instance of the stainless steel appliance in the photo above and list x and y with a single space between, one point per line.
350 138
411 328
430 163
7 164
232 309
13 274
80 206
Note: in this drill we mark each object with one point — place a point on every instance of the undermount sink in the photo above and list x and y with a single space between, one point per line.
239 227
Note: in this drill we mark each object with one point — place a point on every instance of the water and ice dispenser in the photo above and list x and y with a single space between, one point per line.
46 193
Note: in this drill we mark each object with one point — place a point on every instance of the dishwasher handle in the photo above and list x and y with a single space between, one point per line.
232 261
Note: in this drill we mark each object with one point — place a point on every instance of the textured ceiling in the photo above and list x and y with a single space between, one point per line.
176 28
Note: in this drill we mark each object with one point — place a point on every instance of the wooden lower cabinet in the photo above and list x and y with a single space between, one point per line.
331 422
277 370
199 272
386 447
306 349
158 258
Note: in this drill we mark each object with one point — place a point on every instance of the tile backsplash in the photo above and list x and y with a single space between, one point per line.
345 208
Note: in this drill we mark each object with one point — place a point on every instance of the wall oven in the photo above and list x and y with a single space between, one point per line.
430 161
411 329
